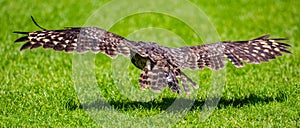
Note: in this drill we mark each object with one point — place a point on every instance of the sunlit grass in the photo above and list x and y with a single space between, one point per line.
37 87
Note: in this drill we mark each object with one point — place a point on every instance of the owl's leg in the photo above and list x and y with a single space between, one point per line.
143 81
158 77
148 64
153 76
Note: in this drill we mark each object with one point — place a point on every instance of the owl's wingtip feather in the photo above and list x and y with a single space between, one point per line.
262 37
19 32
21 39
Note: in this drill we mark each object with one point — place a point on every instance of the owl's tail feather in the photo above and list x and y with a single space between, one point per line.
172 80
186 78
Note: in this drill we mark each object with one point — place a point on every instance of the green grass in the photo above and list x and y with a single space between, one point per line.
37 87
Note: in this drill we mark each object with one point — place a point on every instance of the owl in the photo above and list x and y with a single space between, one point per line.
160 66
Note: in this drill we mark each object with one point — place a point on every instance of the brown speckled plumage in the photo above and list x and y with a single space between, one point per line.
161 66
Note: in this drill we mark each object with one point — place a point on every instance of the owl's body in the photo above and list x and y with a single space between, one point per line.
161 66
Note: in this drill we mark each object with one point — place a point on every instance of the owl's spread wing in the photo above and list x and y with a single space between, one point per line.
261 49
94 39
77 39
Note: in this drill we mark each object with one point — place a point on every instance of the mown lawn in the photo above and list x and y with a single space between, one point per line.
37 86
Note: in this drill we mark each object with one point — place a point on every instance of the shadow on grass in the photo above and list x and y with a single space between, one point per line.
252 99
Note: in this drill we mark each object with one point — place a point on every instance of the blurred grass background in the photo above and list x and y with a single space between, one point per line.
37 88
